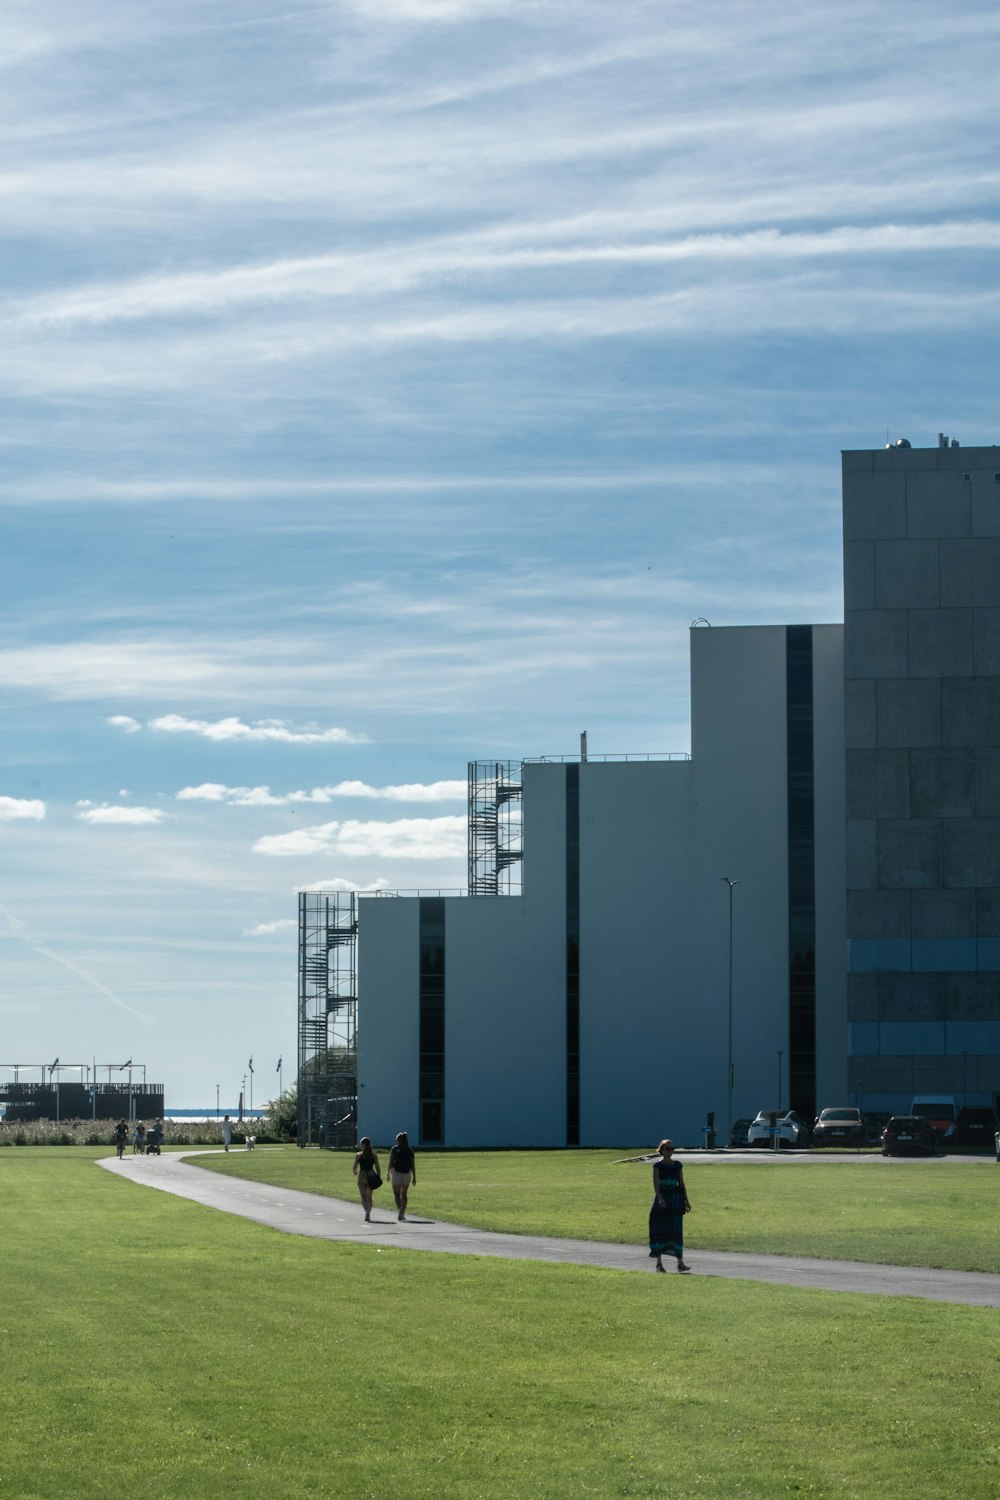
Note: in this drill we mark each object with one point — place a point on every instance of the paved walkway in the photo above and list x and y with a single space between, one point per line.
331 1219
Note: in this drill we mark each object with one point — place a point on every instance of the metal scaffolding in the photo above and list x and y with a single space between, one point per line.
328 1017
496 831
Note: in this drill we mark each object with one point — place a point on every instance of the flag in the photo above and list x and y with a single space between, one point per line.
278 1068
53 1066
125 1065
251 1064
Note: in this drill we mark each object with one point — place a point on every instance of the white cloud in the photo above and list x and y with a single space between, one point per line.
403 268
233 728
434 791
406 838
338 884
264 929
126 722
105 812
13 809
235 796
262 796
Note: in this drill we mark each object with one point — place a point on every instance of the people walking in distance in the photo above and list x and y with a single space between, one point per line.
670 1204
367 1170
227 1132
121 1138
402 1171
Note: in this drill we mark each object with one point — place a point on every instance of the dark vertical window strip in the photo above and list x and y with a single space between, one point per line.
572 955
801 871
431 1040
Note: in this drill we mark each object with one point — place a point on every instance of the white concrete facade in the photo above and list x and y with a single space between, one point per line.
656 838
846 776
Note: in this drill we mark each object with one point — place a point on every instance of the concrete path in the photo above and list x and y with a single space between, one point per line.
331 1219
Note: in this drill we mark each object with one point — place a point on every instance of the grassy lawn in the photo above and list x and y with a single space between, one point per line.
898 1212
154 1348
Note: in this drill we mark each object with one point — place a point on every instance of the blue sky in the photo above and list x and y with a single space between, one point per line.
387 383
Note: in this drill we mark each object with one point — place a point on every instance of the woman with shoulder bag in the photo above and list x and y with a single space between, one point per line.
366 1170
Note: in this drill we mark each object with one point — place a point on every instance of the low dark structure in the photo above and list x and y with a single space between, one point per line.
21 1102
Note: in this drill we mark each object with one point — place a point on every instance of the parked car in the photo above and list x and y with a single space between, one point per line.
738 1134
875 1123
976 1126
792 1129
909 1135
842 1126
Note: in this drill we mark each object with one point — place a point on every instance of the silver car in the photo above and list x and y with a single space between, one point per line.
790 1128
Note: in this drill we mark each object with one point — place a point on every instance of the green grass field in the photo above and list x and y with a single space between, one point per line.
898 1212
154 1348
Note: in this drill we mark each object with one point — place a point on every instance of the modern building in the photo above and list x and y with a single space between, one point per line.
922 682
803 911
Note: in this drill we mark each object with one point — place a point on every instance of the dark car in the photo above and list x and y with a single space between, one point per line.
875 1123
738 1134
842 1126
909 1135
976 1126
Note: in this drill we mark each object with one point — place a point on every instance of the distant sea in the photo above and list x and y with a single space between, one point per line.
232 1111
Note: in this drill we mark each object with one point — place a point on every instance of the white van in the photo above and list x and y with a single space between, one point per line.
939 1110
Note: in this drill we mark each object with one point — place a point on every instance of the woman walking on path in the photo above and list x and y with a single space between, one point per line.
670 1204
365 1168
402 1170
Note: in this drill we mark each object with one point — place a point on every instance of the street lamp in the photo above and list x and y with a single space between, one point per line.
729 1018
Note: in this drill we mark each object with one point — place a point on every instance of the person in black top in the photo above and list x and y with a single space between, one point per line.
365 1168
402 1171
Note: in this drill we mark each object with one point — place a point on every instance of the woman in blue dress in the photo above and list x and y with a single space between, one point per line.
670 1204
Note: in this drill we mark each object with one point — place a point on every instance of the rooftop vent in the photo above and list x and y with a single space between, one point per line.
900 443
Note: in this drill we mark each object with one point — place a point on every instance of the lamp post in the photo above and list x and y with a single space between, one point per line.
729 1018
780 1056
217 1101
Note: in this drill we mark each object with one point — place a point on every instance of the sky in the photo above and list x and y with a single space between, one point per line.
390 383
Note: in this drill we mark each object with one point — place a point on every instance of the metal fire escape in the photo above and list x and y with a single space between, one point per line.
328 1015
495 828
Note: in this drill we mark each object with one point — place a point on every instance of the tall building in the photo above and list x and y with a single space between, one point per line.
922 683
649 940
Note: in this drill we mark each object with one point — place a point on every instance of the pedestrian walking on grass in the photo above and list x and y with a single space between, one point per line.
670 1204
227 1132
402 1171
368 1173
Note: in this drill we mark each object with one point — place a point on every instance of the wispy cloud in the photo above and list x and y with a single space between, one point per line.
267 929
105 812
124 721
274 730
343 277
262 796
338 884
406 838
15 808
20 930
